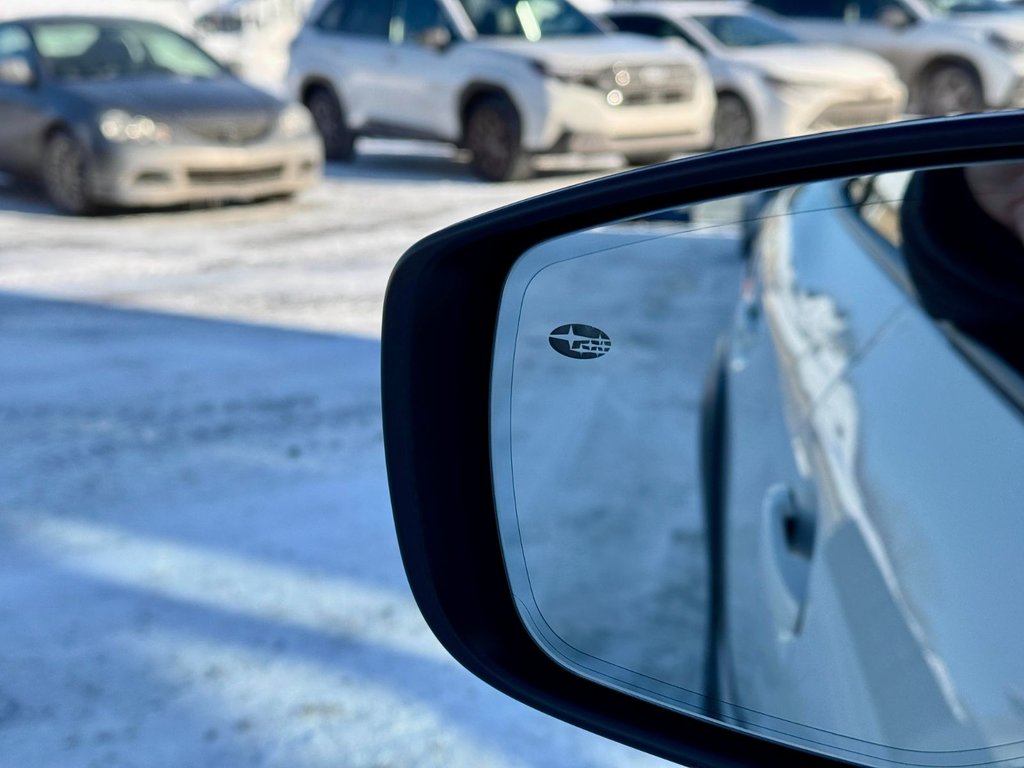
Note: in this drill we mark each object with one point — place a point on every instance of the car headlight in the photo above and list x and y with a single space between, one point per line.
794 86
604 80
295 120
1004 43
122 127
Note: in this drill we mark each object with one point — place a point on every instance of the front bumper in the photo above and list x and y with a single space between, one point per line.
163 175
798 111
582 120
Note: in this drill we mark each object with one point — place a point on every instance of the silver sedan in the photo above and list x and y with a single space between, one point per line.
107 111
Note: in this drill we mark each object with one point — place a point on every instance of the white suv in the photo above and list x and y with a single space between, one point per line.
506 79
954 55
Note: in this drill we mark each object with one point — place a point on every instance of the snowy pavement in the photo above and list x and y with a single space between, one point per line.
197 560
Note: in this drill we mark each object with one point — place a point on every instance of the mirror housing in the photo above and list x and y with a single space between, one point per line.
894 17
17 70
438 346
437 38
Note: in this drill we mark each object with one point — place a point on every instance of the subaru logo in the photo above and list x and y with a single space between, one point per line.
580 342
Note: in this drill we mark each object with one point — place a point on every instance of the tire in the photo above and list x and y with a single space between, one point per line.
713 439
951 89
66 177
493 136
332 125
734 122
652 159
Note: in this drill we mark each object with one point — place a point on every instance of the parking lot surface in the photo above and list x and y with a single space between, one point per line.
197 560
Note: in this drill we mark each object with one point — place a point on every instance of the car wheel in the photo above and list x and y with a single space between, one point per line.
734 124
952 89
65 175
493 138
339 140
648 159
712 467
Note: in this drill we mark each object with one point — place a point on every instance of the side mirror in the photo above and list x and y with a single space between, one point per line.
17 70
438 38
894 17
724 507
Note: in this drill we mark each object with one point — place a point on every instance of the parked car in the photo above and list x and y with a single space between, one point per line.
109 111
954 55
769 84
239 32
504 79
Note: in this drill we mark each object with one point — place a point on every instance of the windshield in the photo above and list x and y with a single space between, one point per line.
532 19
745 31
106 50
952 7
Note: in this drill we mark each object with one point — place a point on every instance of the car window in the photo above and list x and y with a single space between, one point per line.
532 19
417 16
811 9
953 7
735 31
365 18
14 41
88 50
644 24
176 55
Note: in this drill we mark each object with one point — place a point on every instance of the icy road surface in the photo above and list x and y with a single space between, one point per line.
197 560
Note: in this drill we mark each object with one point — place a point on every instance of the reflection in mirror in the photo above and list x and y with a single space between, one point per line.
760 460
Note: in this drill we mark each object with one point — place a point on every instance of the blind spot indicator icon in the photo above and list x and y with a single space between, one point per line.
580 342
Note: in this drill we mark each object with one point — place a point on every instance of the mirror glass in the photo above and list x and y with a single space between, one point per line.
762 460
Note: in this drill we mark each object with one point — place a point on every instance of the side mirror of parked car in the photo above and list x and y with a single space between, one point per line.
721 458
895 17
437 38
17 70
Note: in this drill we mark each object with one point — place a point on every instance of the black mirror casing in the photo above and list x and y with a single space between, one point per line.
438 338
437 38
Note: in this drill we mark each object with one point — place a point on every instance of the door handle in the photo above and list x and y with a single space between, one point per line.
787 549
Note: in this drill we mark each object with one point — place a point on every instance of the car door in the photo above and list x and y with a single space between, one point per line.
22 115
426 75
874 621
354 47
812 303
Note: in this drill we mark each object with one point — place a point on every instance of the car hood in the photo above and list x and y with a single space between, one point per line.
1009 24
592 50
168 98
814 63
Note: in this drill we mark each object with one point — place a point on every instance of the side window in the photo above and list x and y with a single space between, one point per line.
366 18
14 41
653 26
807 9
871 10
417 16
330 19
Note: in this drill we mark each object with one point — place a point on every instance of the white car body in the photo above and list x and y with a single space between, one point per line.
393 87
790 89
928 40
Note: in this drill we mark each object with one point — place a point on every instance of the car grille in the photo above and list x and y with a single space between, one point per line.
854 113
234 130
635 85
233 176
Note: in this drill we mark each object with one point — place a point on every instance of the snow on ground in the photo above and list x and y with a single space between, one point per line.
603 453
197 561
